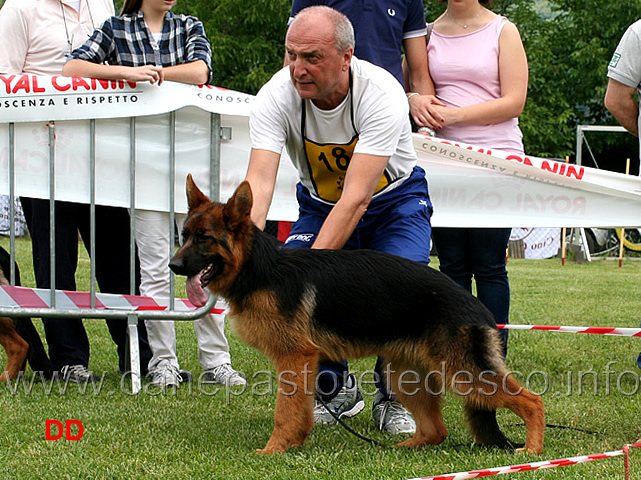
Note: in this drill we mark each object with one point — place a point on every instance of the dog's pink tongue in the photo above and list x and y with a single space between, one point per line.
195 292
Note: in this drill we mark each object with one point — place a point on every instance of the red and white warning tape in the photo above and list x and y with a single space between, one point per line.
623 332
22 297
528 466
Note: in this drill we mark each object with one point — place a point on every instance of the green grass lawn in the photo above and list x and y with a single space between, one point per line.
590 386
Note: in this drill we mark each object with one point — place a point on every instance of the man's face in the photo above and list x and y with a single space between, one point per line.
318 70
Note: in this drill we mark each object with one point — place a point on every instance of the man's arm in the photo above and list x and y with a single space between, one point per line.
362 177
261 175
620 101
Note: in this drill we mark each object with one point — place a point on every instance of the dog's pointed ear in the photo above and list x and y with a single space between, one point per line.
239 206
194 196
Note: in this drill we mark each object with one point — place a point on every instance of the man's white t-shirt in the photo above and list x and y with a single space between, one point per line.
376 102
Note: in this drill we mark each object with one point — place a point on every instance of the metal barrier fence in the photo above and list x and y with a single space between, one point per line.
132 317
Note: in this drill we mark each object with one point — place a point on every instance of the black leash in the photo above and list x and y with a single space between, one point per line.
382 445
349 429
563 427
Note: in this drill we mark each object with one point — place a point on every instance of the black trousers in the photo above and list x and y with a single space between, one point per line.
66 337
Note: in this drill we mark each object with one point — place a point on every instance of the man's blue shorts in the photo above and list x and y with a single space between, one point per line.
397 222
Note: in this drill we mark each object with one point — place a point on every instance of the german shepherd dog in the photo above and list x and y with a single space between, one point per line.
299 306
18 336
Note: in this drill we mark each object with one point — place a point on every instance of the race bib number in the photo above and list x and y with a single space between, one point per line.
328 165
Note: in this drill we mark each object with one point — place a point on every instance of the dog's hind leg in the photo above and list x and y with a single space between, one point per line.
423 400
485 428
509 394
294 415
15 347
530 408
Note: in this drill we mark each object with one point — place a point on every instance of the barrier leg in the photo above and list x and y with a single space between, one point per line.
134 352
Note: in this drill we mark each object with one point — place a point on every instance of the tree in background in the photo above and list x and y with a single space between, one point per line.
583 37
246 38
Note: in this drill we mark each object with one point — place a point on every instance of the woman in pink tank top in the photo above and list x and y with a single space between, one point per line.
479 68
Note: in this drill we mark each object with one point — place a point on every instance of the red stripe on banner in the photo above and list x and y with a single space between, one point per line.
546 327
598 456
25 297
599 330
564 462
524 468
141 301
190 305
480 473
82 299
151 307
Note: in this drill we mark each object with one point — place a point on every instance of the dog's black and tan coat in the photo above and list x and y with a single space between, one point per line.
300 306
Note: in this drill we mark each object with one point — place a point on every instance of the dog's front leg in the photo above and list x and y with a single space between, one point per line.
294 416
15 347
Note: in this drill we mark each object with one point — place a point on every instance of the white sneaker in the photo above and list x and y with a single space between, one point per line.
165 375
222 375
78 374
392 417
347 403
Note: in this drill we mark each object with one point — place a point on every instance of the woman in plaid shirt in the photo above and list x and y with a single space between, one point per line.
149 43
146 43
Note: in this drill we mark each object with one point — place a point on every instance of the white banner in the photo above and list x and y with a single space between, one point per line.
28 98
538 243
63 105
473 186
469 186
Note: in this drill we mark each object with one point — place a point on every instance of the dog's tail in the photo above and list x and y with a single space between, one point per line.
37 356
485 429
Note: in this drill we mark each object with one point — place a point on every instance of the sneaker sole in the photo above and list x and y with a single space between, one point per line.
397 431
357 408
211 382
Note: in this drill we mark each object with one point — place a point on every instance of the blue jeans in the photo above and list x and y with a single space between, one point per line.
479 253
396 223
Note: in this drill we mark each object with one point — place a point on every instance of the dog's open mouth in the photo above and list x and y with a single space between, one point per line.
196 285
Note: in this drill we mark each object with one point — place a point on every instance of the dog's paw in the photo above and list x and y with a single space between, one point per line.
531 450
268 451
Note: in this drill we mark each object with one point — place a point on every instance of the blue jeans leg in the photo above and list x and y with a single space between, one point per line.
479 253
